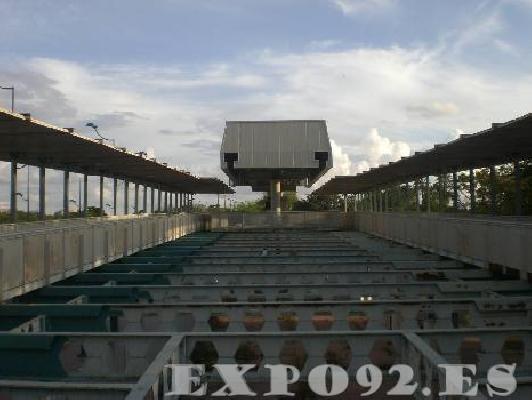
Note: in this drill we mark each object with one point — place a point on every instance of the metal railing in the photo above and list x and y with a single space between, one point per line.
31 258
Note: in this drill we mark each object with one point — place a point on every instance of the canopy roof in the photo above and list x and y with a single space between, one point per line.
502 143
28 141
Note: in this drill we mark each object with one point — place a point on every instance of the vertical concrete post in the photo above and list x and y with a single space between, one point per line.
386 193
455 191
518 190
66 191
355 204
101 197
14 191
42 193
472 194
85 184
493 190
381 201
152 199
440 192
159 194
145 199
345 203
416 189
165 202
115 195
126 197
171 201
275 194
136 199
427 183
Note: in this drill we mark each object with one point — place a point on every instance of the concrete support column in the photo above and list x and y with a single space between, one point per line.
472 194
440 193
518 190
386 194
126 197
66 190
275 195
171 202
416 189
381 201
345 203
136 200
85 184
427 191
159 194
145 199
493 190
42 193
14 190
101 197
355 204
165 202
455 191
115 195
152 199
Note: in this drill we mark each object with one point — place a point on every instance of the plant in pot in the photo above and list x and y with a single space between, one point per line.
358 320
253 320
288 321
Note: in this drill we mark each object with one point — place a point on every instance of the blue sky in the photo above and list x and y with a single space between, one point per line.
389 76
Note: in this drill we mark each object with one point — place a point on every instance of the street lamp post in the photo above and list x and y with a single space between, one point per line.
12 88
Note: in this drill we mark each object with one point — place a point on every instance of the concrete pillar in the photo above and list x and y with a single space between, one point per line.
126 197
381 201
145 199
345 203
427 191
472 194
136 199
518 190
355 204
14 190
171 201
115 195
455 191
386 194
152 199
165 202
416 189
275 195
85 184
440 192
159 194
493 190
42 193
102 206
66 190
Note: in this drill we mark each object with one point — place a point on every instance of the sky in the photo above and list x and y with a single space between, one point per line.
390 77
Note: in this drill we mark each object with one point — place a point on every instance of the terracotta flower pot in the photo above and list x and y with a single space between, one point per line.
219 322
358 321
228 296
293 353
253 321
288 321
323 320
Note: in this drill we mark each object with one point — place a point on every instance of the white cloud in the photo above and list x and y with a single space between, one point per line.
379 103
357 6
380 150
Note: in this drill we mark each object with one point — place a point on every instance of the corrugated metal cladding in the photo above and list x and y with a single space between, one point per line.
276 144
